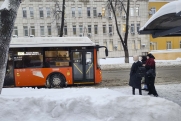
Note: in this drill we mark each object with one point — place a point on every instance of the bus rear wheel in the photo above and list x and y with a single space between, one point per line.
57 80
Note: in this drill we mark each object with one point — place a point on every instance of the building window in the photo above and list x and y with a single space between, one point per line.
42 32
25 30
152 10
105 43
137 11
169 45
41 12
79 11
81 28
111 45
131 11
109 14
119 45
132 29
73 11
154 46
139 45
49 30
32 30
95 29
65 30
104 29
15 31
180 44
24 13
110 28
138 27
31 12
74 29
89 29
48 11
88 12
95 11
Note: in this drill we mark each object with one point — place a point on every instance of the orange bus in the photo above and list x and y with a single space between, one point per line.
52 62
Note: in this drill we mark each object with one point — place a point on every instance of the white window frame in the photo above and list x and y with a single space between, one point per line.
41 12
95 11
15 30
74 29
73 11
32 28
88 11
24 12
96 29
49 30
48 12
104 28
31 12
80 11
132 29
25 31
169 45
65 30
89 29
42 31
80 28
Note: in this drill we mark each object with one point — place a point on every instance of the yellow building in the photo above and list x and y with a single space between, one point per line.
163 43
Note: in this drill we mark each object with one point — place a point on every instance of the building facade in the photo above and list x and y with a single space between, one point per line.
84 18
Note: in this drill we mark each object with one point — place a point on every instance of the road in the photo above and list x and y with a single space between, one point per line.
120 77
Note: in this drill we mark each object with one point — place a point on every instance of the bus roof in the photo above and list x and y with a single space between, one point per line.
50 42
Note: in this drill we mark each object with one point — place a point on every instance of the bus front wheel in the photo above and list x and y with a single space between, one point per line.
57 80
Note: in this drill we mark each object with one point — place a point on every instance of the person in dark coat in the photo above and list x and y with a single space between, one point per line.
143 60
150 80
135 81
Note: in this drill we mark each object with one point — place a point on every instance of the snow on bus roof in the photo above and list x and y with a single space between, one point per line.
172 7
50 42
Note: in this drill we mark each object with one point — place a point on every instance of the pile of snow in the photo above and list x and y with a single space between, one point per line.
83 104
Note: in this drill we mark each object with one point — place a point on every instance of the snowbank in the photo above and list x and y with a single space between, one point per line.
83 104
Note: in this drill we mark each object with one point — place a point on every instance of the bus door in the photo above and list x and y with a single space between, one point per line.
9 77
83 66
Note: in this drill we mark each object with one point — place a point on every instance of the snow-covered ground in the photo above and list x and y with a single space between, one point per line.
89 104
117 63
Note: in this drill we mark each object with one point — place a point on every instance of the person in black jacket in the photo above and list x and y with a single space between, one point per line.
135 80
143 60
150 80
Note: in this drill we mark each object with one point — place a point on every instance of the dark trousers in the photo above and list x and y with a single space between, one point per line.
151 85
133 89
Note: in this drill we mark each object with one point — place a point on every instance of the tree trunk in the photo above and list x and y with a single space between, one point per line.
126 53
7 19
62 23
126 34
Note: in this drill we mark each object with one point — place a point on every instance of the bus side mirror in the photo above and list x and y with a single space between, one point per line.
106 52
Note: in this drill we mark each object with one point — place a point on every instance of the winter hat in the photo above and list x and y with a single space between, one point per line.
150 56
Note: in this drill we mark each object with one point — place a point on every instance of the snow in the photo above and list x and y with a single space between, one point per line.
85 104
120 60
5 5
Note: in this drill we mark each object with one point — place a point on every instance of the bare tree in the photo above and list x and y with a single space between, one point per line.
58 15
116 6
8 15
